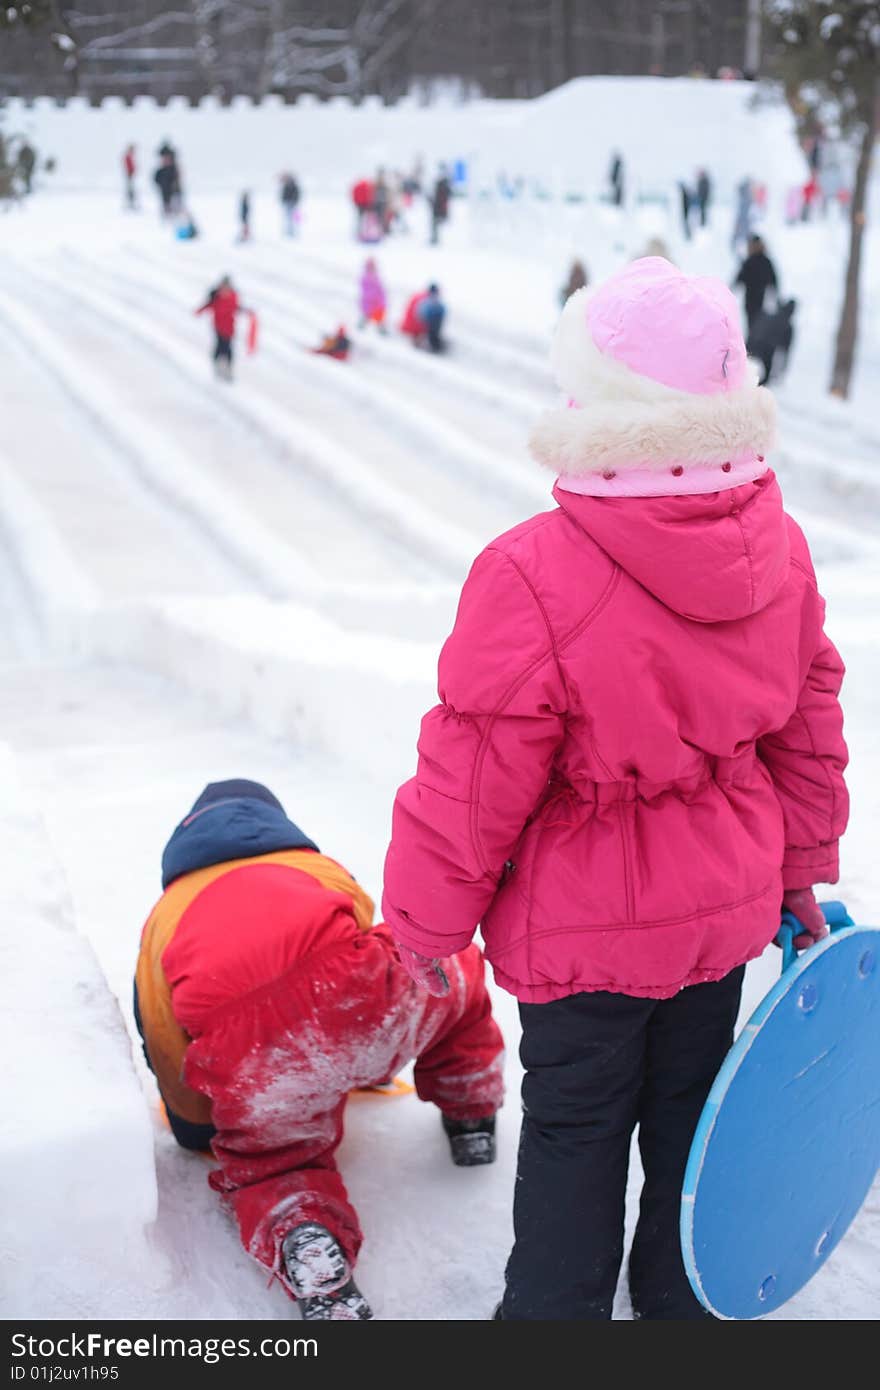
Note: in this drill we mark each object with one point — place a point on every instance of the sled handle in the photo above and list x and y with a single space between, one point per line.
836 916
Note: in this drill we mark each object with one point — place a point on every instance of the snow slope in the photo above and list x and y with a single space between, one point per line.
199 581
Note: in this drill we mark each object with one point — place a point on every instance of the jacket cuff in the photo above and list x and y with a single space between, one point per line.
433 945
801 868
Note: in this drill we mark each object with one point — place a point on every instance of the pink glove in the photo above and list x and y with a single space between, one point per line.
427 973
802 903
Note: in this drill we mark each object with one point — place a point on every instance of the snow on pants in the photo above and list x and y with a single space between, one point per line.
596 1066
279 1063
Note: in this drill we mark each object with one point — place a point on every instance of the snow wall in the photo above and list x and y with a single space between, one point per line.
665 128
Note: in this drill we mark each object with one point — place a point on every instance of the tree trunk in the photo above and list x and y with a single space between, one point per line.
752 56
562 41
847 332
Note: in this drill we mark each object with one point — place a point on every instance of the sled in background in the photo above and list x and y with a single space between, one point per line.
788 1143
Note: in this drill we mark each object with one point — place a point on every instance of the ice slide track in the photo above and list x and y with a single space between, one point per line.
411 411
21 637
523 359
834 536
152 457
402 521
283 279
122 532
839 481
529 354
409 448
405 609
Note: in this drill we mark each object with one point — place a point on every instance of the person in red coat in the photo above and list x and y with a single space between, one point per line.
264 994
129 167
224 306
363 195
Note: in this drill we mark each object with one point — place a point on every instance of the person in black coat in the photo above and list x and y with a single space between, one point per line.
704 195
244 217
290 196
440 200
757 275
772 333
687 202
615 179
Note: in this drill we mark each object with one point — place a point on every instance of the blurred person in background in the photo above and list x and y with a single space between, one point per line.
372 295
686 197
167 180
290 199
382 201
224 306
25 164
757 275
440 200
615 178
772 334
743 216
423 319
704 195
578 279
244 216
129 169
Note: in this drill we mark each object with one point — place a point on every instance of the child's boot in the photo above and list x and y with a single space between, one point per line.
472 1141
320 1276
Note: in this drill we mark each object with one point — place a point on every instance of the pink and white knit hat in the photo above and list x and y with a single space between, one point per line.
662 398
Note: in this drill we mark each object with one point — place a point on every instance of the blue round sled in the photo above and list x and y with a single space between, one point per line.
788 1143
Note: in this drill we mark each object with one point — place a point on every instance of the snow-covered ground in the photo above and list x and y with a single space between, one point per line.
200 580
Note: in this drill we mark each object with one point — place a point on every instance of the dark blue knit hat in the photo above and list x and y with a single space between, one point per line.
235 787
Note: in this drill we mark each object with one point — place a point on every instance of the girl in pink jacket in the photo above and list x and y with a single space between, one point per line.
637 759
373 299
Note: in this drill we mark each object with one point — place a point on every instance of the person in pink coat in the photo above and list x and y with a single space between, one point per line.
637 759
373 300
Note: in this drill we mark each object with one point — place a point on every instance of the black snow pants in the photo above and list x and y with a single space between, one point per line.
223 349
596 1066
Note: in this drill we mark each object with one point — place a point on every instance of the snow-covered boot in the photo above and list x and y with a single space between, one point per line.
472 1141
320 1276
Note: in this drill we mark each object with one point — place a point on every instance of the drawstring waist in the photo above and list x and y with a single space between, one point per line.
723 772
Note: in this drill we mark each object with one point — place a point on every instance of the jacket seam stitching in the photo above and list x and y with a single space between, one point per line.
804 571
660 924
827 775
543 611
747 546
509 694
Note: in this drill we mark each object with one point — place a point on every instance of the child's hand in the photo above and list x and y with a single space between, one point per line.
801 902
427 973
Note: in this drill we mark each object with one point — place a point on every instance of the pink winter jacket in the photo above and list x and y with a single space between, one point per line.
638 746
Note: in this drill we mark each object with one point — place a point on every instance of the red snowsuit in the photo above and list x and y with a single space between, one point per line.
264 997
363 194
224 306
411 322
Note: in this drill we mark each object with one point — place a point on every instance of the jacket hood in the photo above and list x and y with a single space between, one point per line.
712 558
236 819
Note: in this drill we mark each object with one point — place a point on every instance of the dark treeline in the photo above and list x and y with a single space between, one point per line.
355 48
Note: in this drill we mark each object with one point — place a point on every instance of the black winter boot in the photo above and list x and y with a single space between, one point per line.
320 1276
472 1141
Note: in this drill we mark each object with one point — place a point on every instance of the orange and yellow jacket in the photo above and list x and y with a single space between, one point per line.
239 910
